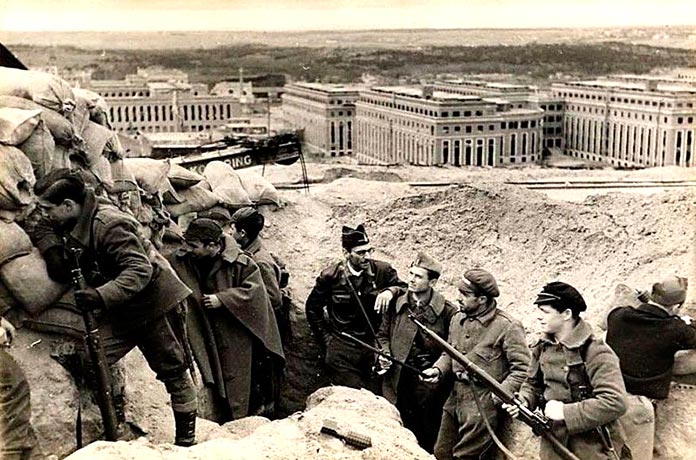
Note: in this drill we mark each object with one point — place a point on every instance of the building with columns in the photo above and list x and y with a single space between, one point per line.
629 123
425 126
326 114
162 100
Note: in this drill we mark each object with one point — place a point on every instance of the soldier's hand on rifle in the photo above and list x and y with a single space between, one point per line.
88 299
211 301
432 375
382 301
554 410
7 332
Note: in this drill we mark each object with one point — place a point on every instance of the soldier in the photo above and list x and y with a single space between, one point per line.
420 404
230 322
646 339
354 292
17 437
134 289
494 341
575 379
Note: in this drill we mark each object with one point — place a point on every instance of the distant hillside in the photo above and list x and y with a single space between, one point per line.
678 37
532 62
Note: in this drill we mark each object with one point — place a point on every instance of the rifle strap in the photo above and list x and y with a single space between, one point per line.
360 304
490 429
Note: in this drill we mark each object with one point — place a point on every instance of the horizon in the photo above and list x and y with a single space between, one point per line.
283 16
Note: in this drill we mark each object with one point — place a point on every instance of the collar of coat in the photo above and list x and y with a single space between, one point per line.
484 317
347 269
437 302
581 333
655 309
81 231
254 246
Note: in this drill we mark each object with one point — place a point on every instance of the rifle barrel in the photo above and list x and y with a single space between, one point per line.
539 424
383 353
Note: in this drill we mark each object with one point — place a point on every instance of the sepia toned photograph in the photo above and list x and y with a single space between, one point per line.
356 230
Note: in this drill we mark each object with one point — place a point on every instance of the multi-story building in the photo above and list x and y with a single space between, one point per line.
163 100
428 127
326 113
629 123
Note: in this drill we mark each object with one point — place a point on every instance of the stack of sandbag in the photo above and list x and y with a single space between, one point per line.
226 184
16 182
23 274
193 190
259 189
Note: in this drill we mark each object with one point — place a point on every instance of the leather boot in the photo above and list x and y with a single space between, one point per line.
185 424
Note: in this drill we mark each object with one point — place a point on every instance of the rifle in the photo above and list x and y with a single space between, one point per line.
541 426
96 352
383 353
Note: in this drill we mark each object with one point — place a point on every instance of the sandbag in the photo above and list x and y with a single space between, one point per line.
17 124
195 199
45 89
150 174
40 148
96 105
260 190
7 301
16 179
226 184
27 279
14 242
61 128
181 177
62 317
102 169
100 142
61 157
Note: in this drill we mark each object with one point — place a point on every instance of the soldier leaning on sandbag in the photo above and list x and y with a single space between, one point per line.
646 340
350 297
494 341
134 289
230 322
419 403
17 437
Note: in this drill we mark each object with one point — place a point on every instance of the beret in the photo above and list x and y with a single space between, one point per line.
478 281
203 229
561 296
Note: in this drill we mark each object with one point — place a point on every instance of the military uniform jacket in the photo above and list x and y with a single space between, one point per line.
397 335
135 283
645 339
492 340
547 380
343 313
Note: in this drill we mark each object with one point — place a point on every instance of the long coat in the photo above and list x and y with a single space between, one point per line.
223 339
547 379
398 333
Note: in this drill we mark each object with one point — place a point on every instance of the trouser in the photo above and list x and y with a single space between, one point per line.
350 365
463 434
17 437
164 354
420 406
639 424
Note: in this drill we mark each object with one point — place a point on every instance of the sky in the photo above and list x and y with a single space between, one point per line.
298 15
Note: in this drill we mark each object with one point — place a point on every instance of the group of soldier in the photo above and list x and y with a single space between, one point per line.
228 290
362 315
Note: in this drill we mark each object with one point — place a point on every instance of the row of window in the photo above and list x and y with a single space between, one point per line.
144 93
625 100
549 107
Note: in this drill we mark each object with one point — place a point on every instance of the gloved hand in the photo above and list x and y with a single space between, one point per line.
7 332
89 299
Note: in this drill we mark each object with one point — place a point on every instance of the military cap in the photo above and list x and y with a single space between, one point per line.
561 296
425 261
479 281
218 213
355 238
203 229
243 214
670 291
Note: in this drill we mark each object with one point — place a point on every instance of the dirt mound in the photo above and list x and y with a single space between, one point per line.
296 437
332 174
